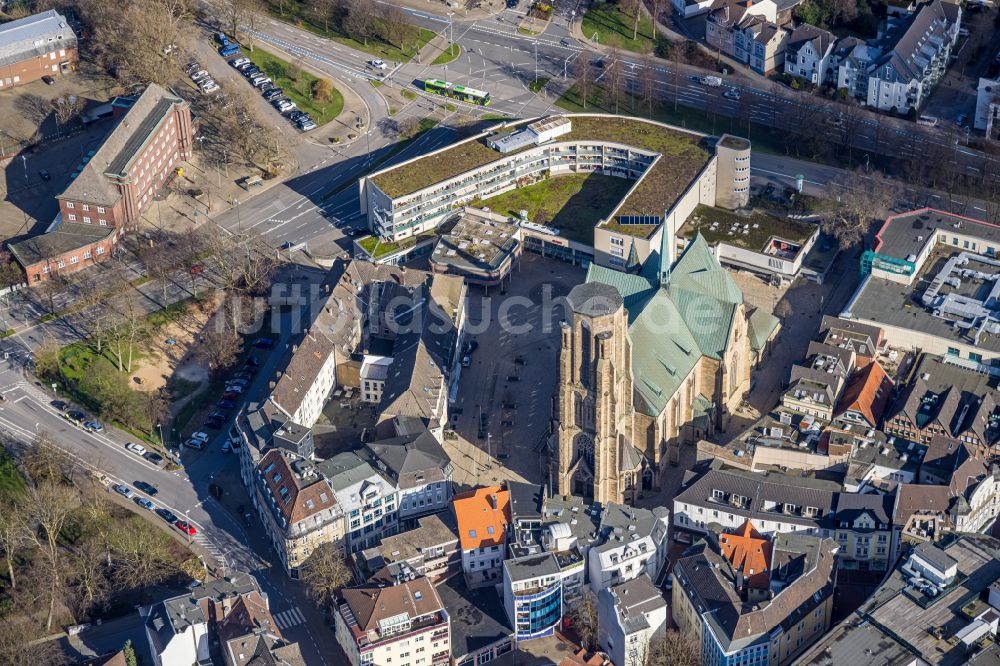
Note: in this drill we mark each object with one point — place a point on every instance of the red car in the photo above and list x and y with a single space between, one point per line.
186 527
230 395
198 268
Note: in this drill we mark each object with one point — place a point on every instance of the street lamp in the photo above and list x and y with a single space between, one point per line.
187 521
451 31
24 161
536 61
159 427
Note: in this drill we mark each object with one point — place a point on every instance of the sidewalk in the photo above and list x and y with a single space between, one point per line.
482 9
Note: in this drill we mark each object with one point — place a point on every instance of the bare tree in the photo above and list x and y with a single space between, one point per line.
614 79
325 573
253 14
673 648
359 23
14 534
222 347
18 646
863 199
647 85
51 504
323 11
584 617
584 72
142 556
67 108
394 24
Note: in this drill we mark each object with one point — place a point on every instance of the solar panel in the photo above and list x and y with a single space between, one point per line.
639 219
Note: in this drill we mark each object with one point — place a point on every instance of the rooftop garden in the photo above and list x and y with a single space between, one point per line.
378 248
573 203
684 155
761 228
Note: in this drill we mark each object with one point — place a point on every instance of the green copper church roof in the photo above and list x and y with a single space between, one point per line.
674 324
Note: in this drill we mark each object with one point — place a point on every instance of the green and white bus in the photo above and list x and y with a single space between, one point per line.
461 93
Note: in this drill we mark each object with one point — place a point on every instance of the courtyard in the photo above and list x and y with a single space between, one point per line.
506 393
573 204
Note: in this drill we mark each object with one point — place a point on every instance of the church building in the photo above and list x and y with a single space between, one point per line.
650 361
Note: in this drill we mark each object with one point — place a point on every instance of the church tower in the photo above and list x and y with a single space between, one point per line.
594 399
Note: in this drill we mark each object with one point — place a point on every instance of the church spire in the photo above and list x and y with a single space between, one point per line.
665 240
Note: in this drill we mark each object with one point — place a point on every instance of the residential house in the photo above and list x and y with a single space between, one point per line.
865 397
420 469
67 248
947 400
747 31
879 463
181 629
631 616
970 502
430 549
815 386
733 623
297 507
369 502
399 625
532 594
862 527
808 53
915 55
249 636
630 542
850 63
863 339
35 46
483 517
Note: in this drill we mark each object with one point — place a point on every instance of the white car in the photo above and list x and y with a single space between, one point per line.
239 61
137 449
227 447
210 88
285 105
199 75
200 435
377 64
204 83
195 443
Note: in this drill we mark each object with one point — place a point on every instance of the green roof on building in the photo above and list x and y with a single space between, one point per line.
672 325
760 326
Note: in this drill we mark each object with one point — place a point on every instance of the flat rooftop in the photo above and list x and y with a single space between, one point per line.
751 232
894 304
475 241
903 235
683 156
478 619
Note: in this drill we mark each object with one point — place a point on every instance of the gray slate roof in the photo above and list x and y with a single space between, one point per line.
120 147
66 237
33 36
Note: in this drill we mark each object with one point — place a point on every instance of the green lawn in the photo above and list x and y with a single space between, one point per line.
299 91
297 13
379 248
539 83
449 55
573 204
613 27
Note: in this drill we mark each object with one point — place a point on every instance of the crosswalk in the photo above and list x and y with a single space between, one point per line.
289 618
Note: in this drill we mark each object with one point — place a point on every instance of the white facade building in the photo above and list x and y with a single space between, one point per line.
630 617
631 542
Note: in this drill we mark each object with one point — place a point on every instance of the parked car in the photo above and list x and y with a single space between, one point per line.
227 447
236 62
93 426
267 87
221 38
230 395
960 119
192 66
295 115
243 66
273 94
166 515
307 125
253 362
225 404
203 436
731 94
285 105
75 416
154 458
470 346
466 361
144 503
44 174
137 449
211 88
214 424
195 443
147 488
59 404
198 268
669 583
123 490
48 80
227 51
261 82
217 415
200 74
186 527
263 343
927 121
251 70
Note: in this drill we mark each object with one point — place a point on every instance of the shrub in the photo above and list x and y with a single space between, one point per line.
322 90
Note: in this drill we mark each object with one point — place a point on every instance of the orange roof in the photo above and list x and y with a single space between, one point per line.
483 515
748 551
867 393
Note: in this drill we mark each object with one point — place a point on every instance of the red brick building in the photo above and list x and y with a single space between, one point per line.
141 152
69 248
113 188
35 46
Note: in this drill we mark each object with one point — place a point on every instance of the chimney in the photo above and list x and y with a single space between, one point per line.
739 582
493 501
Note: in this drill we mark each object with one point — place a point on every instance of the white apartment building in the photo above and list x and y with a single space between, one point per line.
808 52
630 617
401 625
368 501
418 465
483 517
631 542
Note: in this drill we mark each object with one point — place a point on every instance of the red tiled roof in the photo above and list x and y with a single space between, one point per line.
748 551
483 515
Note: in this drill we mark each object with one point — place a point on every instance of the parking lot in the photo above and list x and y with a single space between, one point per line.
508 387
